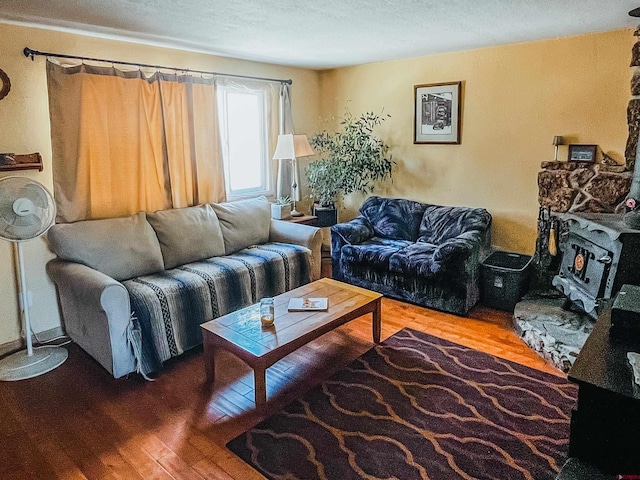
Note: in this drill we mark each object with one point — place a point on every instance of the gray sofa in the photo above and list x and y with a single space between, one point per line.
133 291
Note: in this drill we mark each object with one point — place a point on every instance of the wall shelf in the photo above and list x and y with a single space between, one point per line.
10 162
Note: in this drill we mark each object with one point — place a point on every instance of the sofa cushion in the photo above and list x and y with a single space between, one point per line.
393 217
374 253
442 223
244 223
121 248
187 234
416 259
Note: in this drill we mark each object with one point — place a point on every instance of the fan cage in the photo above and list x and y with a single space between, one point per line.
17 228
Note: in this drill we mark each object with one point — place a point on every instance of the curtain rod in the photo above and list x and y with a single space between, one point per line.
32 53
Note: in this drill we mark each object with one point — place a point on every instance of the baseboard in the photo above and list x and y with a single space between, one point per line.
19 344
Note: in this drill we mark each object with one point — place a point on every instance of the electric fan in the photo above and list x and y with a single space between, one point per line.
27 211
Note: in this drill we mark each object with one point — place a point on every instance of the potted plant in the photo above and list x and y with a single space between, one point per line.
281 209
352 160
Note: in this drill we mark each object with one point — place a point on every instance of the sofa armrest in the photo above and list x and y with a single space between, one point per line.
354 231
462 245
97 312
298 234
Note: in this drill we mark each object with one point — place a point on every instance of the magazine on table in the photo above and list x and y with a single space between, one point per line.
306 304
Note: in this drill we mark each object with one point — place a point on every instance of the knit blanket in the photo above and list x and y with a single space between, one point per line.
168 307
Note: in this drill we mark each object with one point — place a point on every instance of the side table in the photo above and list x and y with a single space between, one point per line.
304 220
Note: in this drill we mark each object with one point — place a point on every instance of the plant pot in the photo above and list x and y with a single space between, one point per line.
327 216
280 212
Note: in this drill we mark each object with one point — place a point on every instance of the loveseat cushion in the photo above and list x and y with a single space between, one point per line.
441 223
375 252
244 223
187 234
393 217
121 248
416 259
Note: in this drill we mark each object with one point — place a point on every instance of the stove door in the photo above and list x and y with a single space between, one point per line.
584 270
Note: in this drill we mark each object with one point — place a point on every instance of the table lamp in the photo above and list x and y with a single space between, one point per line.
291 147
557 140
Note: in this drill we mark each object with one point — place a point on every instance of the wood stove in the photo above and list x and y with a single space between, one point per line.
600 253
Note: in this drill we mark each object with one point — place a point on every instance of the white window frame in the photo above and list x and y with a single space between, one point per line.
266 188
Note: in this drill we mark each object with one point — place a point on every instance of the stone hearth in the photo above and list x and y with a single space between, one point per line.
555 333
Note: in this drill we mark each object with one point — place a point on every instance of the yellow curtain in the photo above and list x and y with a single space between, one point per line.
108 154
178 142
193 140
208 149
124 143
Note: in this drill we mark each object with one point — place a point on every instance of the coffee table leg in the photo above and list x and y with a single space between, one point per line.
260 382
209 359
377 321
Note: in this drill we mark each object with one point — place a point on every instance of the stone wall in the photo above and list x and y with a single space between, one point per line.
633 110
583 187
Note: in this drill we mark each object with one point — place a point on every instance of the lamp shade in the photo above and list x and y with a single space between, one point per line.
292 146
558 140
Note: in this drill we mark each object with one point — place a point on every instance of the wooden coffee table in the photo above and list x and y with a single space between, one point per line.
242 334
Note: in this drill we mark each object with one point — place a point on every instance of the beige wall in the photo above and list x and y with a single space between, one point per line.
24 128
515 99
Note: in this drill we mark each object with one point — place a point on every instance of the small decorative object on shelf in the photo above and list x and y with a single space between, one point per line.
582 153
267 312
632 216
11 161
607 160
281 209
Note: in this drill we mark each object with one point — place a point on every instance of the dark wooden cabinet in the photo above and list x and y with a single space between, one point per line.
605 426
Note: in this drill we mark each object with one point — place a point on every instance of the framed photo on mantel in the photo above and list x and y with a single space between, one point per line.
582 153
437 113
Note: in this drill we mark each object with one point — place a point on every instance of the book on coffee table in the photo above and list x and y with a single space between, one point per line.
304 304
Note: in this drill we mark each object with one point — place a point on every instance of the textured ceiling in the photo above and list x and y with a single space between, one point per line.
324 33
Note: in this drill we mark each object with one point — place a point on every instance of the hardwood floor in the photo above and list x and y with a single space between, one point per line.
78 422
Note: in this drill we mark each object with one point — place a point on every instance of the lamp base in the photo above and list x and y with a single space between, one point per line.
296 213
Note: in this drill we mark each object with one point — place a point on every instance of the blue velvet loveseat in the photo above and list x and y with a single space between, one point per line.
425 254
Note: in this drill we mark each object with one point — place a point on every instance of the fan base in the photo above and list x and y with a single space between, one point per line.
20 366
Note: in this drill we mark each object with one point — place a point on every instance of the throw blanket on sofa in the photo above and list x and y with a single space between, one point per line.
169 307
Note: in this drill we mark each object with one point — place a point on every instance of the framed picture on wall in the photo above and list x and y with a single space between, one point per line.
582 153
437 113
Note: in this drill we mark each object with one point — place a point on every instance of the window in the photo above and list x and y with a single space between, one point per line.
245 146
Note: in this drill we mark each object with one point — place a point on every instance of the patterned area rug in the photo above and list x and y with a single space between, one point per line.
419 407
